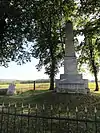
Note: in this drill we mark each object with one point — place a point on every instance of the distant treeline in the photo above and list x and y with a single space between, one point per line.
25 81
8 82
37 81
29 81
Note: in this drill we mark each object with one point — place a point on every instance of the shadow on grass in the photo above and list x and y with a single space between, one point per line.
22 97
32 92
49 98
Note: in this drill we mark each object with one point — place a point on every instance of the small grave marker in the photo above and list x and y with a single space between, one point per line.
11 89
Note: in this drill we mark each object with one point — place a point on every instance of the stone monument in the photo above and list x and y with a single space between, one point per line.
11 89
71 81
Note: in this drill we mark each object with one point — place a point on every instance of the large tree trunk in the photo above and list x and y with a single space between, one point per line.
52 81
96 79
96 83
52 72
95 74
52 51
94 67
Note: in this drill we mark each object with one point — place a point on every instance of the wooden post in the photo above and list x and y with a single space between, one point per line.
34 85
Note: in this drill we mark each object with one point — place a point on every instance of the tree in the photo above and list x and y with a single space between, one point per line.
94 61
35 21
14 30
89 7
89 49
41 22
87 23
88 53
48 35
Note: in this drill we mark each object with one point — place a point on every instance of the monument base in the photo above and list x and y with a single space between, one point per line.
72 83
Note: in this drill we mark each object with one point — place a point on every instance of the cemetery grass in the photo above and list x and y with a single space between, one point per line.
26 95
48 98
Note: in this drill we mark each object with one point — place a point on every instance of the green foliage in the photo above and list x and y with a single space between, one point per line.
90 6
14 31
87 24
48 33
34 21
84 54
89 51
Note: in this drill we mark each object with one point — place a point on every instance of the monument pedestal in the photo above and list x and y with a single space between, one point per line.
72 83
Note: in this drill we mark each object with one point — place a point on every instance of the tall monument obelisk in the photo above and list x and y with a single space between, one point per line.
70 81
70 63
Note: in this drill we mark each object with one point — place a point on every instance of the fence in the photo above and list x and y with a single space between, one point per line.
27 119
22 87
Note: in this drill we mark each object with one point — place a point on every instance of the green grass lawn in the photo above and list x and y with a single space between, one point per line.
48 98
43 95
28 95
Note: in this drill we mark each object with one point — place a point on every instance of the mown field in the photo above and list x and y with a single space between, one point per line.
91 85
39 86
26 87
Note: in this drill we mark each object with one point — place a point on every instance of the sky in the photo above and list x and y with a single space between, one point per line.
28 71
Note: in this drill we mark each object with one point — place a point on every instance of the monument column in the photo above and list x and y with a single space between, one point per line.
71 81
70 62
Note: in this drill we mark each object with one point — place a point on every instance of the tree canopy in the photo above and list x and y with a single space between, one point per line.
88 25
14 31
49 35
42 23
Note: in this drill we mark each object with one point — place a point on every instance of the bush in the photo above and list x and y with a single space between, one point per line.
3 91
